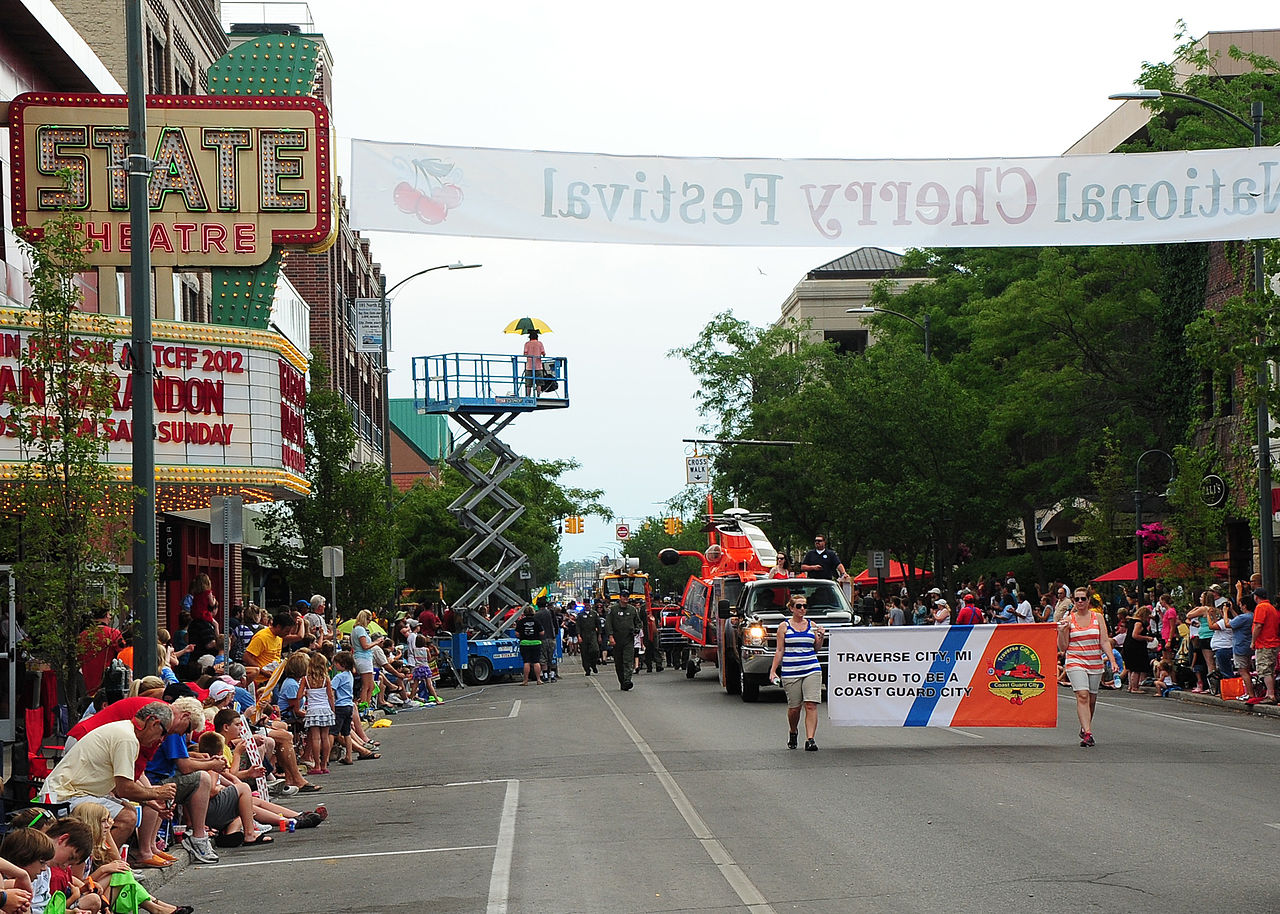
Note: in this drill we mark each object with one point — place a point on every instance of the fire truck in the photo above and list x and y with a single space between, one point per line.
623 576
737 552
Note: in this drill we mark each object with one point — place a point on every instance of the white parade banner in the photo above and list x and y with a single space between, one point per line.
944 676
1139 198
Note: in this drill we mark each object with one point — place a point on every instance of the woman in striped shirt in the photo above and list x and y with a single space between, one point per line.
796 662
1083 637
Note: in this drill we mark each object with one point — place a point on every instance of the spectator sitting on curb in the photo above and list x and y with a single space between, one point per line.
101 767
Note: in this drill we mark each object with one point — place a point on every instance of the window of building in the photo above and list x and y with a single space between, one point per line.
849 342
158 69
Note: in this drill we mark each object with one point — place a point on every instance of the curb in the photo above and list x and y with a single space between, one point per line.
152 879
1240 707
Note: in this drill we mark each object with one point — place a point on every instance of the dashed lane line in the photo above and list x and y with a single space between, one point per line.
729 869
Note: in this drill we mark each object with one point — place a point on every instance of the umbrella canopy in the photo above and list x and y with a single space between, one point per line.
897 575
1154 565
524 325
374 628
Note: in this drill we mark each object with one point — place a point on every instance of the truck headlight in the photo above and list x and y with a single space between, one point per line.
755 635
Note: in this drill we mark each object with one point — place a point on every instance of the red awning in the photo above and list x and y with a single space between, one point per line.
897 575
1154 565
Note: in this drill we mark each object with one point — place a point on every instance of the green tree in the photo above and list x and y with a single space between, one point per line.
1106 526
347 507
430 534
1195 528
70 515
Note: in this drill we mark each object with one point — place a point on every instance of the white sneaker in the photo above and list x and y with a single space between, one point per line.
200 849
262 829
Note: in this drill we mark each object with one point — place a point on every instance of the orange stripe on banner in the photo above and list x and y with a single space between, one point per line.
1015 683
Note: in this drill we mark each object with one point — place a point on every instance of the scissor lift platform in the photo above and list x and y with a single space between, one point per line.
471 382
484 394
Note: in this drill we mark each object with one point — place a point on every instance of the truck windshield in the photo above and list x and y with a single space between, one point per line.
615 587
823 597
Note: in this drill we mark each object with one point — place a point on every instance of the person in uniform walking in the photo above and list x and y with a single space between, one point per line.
621 626
589 638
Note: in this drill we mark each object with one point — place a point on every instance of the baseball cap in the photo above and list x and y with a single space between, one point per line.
942 603
219 690
936 592
969 598
204 661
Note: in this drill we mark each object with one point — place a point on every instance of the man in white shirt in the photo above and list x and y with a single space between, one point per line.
1022 612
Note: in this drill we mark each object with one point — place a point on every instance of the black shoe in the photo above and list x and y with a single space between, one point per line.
810 746
628 686
792 740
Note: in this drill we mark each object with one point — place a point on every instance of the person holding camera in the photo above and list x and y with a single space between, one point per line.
796 666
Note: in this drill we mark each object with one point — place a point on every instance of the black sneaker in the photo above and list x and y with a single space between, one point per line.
792 740
810 746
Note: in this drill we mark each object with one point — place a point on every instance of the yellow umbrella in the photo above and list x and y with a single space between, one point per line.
523 325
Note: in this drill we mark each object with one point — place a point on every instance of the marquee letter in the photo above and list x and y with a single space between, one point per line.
227 141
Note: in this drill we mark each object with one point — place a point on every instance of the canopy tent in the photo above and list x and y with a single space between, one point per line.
1154 565
897 574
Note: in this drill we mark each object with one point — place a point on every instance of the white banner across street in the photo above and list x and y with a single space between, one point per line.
1204 195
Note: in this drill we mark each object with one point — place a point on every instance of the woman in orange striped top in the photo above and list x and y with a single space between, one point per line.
1083 637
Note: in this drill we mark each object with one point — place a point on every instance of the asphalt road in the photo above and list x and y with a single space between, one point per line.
673 797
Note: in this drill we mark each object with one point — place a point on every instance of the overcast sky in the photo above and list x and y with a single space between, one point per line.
694 78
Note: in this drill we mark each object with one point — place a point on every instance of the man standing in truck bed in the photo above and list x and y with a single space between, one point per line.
821 562
621 625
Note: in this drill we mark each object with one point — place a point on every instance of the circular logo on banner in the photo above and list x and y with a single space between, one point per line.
1213 491
1017 674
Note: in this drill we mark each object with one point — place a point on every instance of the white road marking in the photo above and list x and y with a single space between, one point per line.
732 873
335 857
1273 824
452 720
966 733
515 708
500 878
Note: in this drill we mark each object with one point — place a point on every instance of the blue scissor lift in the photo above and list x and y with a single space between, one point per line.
484 394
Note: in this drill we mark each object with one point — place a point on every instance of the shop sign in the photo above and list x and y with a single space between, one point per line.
232 177
229 403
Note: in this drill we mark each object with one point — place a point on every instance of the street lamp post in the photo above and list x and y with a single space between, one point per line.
1266 543
386 371
386 403
1137 510
871 309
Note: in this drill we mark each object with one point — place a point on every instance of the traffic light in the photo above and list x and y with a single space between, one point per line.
573 524
672 525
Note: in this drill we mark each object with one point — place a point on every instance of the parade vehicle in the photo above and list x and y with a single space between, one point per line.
487 649
623 576
737 552
751 628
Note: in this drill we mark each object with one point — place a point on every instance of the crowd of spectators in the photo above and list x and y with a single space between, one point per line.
214 754
1170 640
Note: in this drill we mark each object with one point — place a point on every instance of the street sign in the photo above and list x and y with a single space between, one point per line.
697 469
226 519
623 531
331 561
368 324
525 574
878 562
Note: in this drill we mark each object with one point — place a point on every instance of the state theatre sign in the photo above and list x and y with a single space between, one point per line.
229 407
233 176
